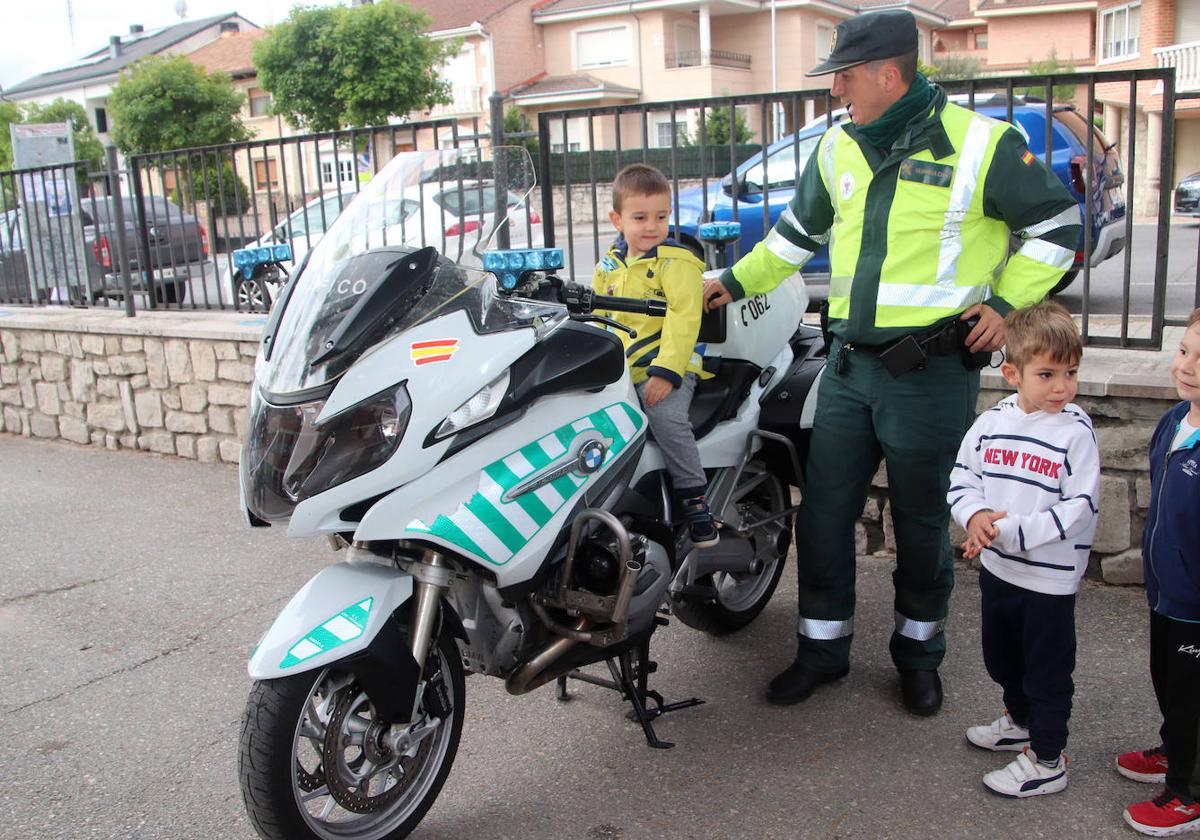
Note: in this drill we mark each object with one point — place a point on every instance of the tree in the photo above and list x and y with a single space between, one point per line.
716 127
331 67
516 122
1049 67
953 68
87 144
163 104
10 113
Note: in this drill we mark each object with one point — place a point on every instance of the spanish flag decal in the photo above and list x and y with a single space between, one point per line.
428 352
1027 158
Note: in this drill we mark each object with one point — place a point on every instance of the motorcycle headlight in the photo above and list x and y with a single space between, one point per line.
348 444
478 408
288 456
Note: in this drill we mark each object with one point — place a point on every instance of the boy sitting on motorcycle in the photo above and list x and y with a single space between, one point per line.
662 358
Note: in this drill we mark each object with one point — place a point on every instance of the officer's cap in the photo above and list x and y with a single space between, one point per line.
869 37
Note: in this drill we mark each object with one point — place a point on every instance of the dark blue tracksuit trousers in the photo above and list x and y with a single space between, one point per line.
1029 649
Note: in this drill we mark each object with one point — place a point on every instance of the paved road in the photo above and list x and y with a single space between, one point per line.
130 595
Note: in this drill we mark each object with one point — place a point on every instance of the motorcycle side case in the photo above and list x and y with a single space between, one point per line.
791 405
336 615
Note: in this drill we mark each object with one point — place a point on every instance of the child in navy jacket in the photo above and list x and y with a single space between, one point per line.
1171 558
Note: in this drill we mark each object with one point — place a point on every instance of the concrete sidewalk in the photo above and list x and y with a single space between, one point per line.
130 594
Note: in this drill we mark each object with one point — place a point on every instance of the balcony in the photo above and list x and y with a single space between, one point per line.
708 58
1185 58
467 100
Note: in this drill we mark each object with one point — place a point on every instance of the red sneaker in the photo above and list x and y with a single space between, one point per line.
1164 816
1145 766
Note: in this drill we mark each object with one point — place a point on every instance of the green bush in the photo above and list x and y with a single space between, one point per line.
224 193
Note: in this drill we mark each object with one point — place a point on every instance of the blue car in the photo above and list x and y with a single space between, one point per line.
760 200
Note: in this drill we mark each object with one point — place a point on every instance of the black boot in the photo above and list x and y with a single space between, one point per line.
921 691
798 682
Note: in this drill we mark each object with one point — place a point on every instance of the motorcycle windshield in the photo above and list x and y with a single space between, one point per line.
368 278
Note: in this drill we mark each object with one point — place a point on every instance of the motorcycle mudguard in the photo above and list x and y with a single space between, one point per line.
336 615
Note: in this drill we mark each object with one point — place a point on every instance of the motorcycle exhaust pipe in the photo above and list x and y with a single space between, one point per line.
534 673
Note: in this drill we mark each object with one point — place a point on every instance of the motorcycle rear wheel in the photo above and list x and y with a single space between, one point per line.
385 777
740 598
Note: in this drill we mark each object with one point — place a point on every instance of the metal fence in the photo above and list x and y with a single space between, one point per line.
167 241
1130 280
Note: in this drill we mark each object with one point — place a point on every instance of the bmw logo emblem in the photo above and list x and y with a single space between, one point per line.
591 456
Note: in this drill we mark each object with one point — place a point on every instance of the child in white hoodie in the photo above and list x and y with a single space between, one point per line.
1025 487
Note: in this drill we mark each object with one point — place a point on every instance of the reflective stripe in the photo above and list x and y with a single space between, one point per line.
921 631
1047 253
827 143
1070 216
789 218
816 628
840 286
778 245
920 295
962 193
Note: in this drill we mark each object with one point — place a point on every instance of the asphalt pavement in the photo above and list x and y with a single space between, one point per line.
131 593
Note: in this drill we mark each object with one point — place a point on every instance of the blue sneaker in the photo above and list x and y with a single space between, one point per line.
701 526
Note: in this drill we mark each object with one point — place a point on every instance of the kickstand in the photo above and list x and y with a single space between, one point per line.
630 674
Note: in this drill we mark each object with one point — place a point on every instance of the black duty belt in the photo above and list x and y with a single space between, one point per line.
911 352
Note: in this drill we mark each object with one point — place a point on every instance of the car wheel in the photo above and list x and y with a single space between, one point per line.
1066 280
253 295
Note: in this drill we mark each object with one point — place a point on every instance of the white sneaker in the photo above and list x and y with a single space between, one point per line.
1026 777
1000 734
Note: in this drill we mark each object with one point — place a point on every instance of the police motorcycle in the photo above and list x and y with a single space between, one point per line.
466 431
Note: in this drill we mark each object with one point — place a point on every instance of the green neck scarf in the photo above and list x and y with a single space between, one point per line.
885 131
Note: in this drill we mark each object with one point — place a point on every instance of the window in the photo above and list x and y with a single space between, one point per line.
558 147
1119 32
101 121
824 40
345 167
602 47
260 102
981 39
782 166
266 173
667 137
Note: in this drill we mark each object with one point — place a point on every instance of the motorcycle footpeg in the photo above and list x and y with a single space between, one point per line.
698 593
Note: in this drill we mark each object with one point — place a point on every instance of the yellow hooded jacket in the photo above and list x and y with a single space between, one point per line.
664 346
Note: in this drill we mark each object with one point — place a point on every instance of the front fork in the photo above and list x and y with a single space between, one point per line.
432 575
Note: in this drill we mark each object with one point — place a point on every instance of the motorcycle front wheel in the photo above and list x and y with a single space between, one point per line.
741 597
317 763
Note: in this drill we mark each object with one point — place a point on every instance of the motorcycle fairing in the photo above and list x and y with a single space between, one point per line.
335 615
503 502
441 388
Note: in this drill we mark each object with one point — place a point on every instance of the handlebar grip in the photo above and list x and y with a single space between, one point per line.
639 306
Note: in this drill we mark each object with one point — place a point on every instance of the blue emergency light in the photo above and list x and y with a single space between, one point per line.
509 266
246 260
720 231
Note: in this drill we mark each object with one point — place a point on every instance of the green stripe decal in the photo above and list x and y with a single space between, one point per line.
493 529
496 523
344 627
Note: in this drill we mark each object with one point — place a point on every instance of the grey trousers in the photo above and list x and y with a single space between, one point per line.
673 433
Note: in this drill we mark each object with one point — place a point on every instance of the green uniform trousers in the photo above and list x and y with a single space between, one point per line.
916 422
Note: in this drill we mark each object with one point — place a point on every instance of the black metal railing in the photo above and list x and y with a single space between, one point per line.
66 239
1125 300
708 58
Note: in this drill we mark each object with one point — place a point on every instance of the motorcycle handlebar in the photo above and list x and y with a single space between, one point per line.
639 306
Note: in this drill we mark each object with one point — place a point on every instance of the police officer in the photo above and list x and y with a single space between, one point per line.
916 198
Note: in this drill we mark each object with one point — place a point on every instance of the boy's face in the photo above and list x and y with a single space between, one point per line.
1043 384
1185 367
642 221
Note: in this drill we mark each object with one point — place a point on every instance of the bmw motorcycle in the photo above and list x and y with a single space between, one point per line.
465 429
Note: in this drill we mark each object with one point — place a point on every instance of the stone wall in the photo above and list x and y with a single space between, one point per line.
1123 429
127 383
177 384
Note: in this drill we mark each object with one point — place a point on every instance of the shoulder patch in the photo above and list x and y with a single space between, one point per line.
1027 158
